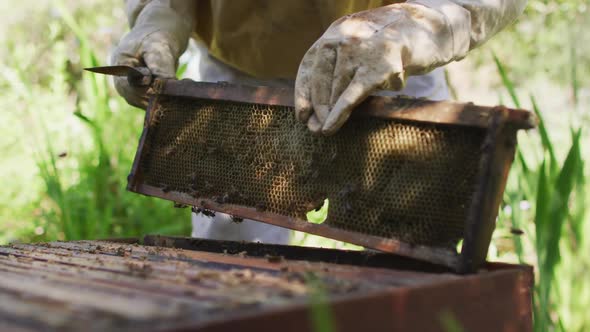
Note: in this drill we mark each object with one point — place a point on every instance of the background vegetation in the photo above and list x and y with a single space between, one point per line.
68 140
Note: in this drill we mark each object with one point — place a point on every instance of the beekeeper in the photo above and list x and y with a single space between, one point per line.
335 53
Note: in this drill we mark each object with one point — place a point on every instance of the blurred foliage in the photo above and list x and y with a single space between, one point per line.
546 200
545 42
74 137
69 141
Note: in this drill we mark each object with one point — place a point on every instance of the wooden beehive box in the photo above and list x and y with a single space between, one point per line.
228 286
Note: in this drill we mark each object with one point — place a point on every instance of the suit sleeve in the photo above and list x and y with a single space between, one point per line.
472 22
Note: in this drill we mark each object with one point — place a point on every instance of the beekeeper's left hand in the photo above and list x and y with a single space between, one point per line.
379 48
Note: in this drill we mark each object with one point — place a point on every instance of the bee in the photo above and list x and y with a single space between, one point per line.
208 213
236 220
261 207
205 212
333 156
208 186
171 151
179 205
211 149
121 251
315 174
222 199
347 195
274 258
193 183
348 207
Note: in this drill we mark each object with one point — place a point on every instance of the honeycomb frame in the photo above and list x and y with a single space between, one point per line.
411 177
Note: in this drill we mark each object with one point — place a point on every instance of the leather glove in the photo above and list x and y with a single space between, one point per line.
379 48
159 34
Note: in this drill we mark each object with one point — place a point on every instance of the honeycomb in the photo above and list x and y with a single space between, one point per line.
412 181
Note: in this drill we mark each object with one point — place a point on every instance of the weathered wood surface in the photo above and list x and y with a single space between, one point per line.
95 285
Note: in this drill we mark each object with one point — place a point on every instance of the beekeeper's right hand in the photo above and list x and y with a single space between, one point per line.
159 34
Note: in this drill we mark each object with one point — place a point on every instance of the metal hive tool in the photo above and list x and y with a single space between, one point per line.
405 176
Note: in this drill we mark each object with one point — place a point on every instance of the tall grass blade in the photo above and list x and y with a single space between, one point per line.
321 314
506 81
527 179
516 224
577 214
560 203
574 71
181 69
541 220
541 210
449 322
545 139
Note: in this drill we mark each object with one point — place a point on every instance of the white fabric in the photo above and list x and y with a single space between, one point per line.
221 227
432 85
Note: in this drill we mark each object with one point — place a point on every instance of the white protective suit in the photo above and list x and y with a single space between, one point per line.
394 45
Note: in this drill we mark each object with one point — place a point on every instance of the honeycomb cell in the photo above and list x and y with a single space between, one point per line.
398 179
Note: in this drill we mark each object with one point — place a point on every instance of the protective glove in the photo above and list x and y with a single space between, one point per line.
159 34
379 48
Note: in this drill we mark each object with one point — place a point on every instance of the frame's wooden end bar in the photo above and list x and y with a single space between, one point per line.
498 151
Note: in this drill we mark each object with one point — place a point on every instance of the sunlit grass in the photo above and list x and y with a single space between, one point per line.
546 199
83 165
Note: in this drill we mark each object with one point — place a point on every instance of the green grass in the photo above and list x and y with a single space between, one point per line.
78 191
555 188
322 319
